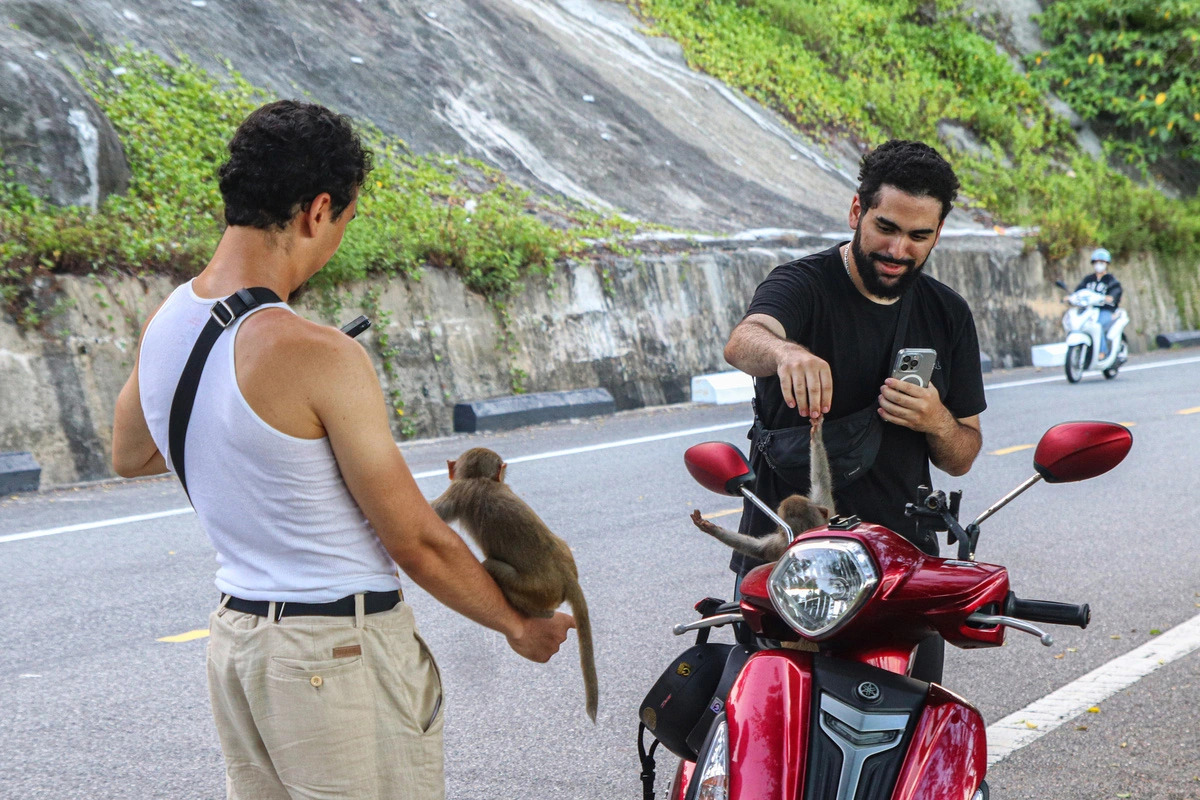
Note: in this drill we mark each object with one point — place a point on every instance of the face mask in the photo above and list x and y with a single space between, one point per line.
1099 266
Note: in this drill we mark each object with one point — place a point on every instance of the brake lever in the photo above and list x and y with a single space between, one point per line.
1012 622
707 622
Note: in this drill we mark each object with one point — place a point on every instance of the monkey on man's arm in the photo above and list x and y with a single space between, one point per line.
533 568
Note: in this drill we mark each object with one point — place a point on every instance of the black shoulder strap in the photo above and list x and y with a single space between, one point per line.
906 302
223 312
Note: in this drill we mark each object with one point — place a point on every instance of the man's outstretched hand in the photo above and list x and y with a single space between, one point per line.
542 636
806 382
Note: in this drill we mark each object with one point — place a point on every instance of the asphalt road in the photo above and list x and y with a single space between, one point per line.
95 705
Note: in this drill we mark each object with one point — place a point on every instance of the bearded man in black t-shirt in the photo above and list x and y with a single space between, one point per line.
819 334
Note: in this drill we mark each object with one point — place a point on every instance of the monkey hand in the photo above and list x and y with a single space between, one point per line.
540 637
915 407
700 522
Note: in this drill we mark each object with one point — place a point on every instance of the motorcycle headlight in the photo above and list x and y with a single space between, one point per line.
712 776
820 584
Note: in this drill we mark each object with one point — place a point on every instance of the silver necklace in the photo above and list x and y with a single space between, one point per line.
846 261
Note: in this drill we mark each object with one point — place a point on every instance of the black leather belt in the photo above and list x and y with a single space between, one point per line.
373 603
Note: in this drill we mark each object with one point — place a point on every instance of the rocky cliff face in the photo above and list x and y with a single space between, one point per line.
564 95
639 326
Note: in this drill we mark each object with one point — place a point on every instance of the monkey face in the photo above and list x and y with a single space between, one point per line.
478 462
801 514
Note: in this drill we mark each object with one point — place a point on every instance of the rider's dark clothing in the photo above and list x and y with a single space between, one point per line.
1105 284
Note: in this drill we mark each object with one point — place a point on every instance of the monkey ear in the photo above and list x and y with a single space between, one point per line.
500 472
450 468
824 512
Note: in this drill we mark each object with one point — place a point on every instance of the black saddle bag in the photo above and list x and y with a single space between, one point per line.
852 443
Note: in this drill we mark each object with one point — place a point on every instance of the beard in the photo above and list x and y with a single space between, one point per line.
868 269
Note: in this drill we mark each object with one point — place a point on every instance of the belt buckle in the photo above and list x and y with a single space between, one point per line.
222 304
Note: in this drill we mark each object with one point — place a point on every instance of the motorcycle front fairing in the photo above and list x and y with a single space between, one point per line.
806 727
847 723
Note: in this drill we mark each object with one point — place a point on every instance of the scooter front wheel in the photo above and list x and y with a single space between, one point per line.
1076 358
1122 356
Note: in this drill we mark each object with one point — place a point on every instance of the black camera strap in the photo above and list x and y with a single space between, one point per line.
906 302
223 314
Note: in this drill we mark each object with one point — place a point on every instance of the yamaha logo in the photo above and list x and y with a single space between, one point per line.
868 691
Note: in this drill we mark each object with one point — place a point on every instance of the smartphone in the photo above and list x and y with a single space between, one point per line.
915 365
356 326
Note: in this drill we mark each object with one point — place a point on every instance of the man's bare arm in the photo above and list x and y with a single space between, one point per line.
953 443
759 346
134 452
349 402
954 450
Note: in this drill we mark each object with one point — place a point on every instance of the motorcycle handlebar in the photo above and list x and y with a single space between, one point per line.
1048 611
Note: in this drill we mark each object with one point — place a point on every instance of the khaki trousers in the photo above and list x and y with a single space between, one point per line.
316 708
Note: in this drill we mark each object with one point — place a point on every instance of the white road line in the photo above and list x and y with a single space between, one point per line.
87 526
1014 732
1136 368
591 448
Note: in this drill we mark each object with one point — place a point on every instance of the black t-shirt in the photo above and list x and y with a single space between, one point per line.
1105 284
820 308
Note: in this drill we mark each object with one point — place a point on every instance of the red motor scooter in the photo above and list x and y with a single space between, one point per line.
814 701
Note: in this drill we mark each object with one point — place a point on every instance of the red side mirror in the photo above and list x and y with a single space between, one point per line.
1076 451
719 467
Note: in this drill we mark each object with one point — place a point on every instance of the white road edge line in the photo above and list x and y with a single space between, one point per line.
107 523
87 526
1136 368
1010 734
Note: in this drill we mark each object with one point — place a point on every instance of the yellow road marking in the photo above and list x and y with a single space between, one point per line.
724 513
186 637
1003 451
1195 410
1127 424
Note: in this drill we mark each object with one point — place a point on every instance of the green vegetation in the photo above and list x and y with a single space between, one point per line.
1133 65
174 121
876 69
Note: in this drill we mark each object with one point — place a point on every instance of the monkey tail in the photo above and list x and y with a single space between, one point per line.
587 656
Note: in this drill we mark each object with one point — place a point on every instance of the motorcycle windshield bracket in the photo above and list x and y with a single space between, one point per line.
937 513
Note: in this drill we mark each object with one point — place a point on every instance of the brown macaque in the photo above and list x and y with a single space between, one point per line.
533 568
799 512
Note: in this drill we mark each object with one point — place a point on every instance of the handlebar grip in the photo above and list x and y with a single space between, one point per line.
1048 611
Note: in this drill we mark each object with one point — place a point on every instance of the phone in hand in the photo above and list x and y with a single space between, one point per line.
914 365
356 326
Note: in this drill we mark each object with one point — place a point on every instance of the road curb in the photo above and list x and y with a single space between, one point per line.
1181 338
515 411
723 388
19 472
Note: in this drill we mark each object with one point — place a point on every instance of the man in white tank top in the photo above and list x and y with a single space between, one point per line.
319 683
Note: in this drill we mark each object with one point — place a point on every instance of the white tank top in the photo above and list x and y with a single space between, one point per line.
275 506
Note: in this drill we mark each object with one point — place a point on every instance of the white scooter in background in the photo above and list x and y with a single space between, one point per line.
1082 323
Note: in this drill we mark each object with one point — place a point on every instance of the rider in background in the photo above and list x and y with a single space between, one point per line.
1103 282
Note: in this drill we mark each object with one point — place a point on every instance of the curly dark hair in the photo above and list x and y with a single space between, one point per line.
285 154
912 167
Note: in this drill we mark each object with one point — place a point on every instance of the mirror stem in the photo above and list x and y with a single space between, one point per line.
774 517
1008 498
